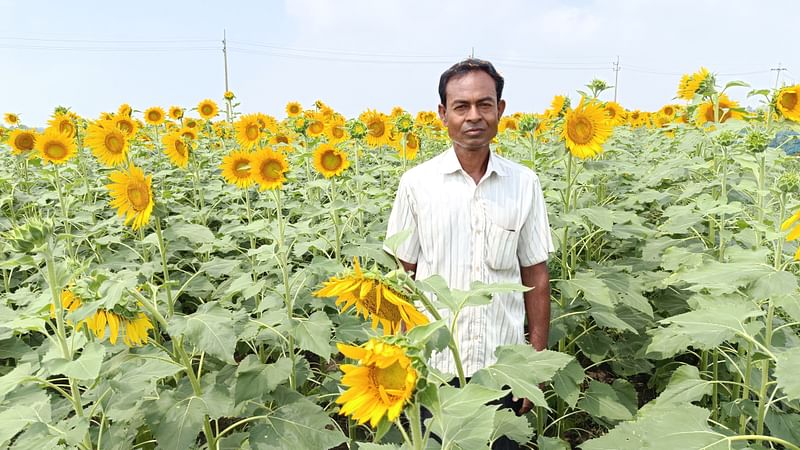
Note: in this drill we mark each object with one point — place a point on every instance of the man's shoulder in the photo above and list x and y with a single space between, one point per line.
515 169
422 171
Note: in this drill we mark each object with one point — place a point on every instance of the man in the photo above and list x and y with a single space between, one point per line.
476 216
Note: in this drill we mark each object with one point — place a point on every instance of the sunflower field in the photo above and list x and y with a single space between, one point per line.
199 278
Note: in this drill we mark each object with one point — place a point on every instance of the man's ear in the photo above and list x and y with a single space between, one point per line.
442 114
501 106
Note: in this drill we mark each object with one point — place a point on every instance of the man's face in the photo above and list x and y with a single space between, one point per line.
472 111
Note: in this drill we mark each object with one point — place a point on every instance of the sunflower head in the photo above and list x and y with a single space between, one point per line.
558 107
207 109
177 149
380 385
293 109
64 123
126 125
315 125
176 112
131 195
787 102
55 147
248 131
335 130
357 129
330 161
229 95
22 141
375 297
125 110
237 168
154 115
586 128
268 169
404 122
507 123
11 119
108 143
726 109
411 146
378 127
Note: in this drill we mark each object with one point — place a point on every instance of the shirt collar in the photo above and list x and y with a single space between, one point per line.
450 164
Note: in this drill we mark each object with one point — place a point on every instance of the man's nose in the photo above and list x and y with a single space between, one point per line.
473 114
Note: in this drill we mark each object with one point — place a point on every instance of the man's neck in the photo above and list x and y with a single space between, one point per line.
474 162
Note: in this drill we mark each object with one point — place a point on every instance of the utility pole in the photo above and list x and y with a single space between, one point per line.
472 54
616 78
228 110
778 75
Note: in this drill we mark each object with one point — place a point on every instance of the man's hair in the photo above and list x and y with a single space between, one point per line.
466 66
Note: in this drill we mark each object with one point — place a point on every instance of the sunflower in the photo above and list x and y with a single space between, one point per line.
329 161
177 149
207 109
404 122
108 143
293 109
11 118
63 123
282 138
380 385
132 195
237 168
69 302
558 106
154 115
412 146
229 95
125 110
21 141
267 122
795 233
248 131
507 124
176 112
315 125
134 329
615 113
374 299
268 169
787 101
187 133
335 130
691 84
377 128
55 147
585 129
727 110
127 125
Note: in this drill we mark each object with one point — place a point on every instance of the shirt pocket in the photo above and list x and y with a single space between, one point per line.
500 248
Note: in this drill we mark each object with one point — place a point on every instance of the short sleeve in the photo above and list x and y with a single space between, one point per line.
404 217
535 242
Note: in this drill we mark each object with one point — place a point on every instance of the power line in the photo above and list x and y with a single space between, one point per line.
101 41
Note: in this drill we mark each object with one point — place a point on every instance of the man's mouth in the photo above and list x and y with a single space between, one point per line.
474 131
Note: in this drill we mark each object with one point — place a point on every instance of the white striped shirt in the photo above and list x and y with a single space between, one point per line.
467 232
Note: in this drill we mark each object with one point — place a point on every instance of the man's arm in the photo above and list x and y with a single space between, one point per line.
537 303
409 267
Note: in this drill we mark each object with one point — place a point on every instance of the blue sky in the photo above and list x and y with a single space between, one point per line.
359 54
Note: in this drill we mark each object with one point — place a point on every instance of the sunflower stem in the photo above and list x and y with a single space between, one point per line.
283 254
184 359
765 365
55 298
162 248
337 249
452 345
414 420
64 213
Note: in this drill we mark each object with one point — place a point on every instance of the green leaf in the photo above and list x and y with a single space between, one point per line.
604 400
790 304
301 424
567 382
787 366
685 385
522 368
463 418
195 233
774 284
551 443
176 419
722 278
86 367
735 83
670 427
609 318
783 426
594 289
12 379
600 216
394 241
437 285
507 423
373 446
219 267
32 405
210 328
314 334
254 379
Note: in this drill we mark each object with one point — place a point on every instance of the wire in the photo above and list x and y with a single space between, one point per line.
107 49
95 41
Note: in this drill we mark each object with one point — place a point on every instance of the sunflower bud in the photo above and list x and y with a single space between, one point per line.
357 129
756 140
30 237
726 138
404 123
528 123
789 182
299 124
